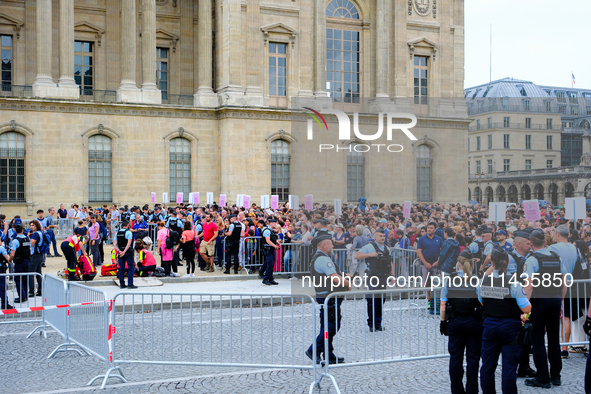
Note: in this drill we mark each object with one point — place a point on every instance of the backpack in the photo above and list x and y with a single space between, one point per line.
173 239
45 242
103 231
109 270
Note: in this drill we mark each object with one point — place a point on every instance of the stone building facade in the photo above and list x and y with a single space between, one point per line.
528 141
106 101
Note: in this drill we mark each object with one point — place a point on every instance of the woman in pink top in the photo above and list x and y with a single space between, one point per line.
165 254
188 244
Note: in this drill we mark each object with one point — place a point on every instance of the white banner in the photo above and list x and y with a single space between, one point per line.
497 211
265 201
575 208
338 207
210 198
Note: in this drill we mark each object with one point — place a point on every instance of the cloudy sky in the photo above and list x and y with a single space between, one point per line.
542 41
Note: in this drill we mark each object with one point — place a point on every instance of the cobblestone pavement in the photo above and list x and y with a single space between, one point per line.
30 371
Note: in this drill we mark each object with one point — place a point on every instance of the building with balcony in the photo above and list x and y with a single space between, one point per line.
528 141
109 100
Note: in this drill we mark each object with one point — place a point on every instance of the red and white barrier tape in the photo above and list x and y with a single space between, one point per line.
111 332
45 308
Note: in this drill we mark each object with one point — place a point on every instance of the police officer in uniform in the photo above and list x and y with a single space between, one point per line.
379 269
4 261
477 246
156 216
322 266
517 258
461 320
487 248
270 242
546 300
233 244
20 255
124 246
504 306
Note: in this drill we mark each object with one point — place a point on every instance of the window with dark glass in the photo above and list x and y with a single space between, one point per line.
342 65
12 167
506 165
162 72
424 173
549 124
478 167
180 168
84 67
99 168
549 163
506 144
489 165
506 122
477 143
528 164
528 142
280 169
6 58
490 141
277 75
528 123
355 174
421 81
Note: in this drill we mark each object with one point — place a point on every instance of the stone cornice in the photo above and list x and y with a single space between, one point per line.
198 113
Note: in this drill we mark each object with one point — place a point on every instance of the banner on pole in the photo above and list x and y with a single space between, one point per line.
406 212
532 210
153 195
575 208
165 198
222 200
497 211
338 207
294 201
210 198
179 198
265 201
309 201
274 202
246 201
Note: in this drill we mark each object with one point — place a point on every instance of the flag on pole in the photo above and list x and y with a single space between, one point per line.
573 78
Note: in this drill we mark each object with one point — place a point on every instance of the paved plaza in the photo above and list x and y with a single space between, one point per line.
218 329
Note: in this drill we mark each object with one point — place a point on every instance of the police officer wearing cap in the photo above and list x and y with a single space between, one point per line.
461 320
156 216
379 268
504 306
270 242
487 248
233 244
517 257
322 266
546 287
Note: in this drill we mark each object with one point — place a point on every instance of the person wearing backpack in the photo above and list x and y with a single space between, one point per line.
36 259
166 253
175 225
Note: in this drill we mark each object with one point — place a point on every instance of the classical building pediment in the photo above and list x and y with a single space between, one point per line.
422 46
89 28
162 34
277 30
10 21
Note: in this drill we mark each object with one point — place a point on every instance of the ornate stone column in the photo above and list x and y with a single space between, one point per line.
150 92
205 97
66 84
320 49
128 90
382 44
254 90
44 85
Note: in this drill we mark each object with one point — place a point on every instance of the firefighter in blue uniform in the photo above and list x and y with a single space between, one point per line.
461 320
323 266
270 242
504 306
546 301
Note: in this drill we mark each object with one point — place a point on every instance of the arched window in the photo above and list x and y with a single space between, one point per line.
343 53
355 178
280 169
424 173
99 168
342 9
12 167
180 168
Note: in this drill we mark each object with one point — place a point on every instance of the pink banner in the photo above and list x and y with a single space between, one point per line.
179 198
406 212
274 202
222 200
153 198
532 210
246 201
196 198
309 201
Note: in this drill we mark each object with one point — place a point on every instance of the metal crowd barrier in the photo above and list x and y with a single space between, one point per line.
409 333
213 330
65 228
576 305
12 283
55 292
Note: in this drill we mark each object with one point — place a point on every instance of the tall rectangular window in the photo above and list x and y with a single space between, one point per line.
478 167
280 169
549 124
588 110
468 144
162 72
528 123
562 109
506 122
12 167
490 141
477 143
548 106
526 105
342 65
421 79
506 165
560 97
528 164
468 168
424 173
549 163
489 165
572 97
478 124
506 144
99 168
277 75
6 58
180 168
528 142
549 142
490 123
574 111
355 174
84 67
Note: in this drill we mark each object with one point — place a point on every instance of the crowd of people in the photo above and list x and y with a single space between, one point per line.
449 239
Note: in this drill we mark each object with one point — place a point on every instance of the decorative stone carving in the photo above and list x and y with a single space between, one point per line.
101 128
181 131
13 125
422 7
586 159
